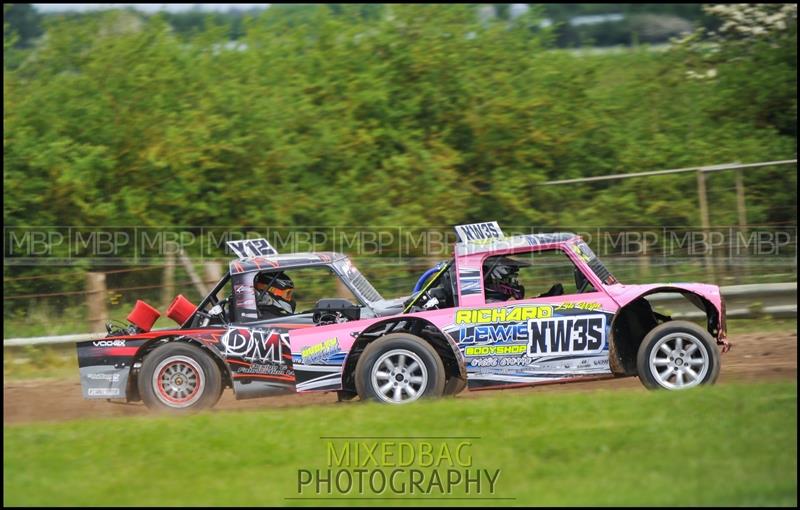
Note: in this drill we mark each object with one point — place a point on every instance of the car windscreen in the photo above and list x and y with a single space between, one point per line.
361 284
597 267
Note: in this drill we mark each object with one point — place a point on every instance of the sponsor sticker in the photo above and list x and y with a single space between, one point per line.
109 343
477 231
103 377
252 248
321 351
579 305
501 314
496 350
577 334
254 345
494 333
104 392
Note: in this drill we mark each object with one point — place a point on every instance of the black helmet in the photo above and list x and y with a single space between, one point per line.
274 293
500 278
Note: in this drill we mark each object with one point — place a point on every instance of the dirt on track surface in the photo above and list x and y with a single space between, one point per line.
754 357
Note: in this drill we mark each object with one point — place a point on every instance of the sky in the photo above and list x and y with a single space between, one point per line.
144 7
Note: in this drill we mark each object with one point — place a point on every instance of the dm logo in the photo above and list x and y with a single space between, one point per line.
253 345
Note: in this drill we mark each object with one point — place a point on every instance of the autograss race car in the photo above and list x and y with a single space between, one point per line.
471 322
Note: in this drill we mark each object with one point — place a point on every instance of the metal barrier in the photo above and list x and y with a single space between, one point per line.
778 300
63 339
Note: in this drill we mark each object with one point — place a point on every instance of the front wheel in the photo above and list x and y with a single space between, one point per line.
399 368
677 355
179 377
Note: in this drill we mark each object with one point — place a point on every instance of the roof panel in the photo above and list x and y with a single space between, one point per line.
511 242
249 264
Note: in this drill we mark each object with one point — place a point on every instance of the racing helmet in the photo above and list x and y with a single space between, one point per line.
274 293
500 279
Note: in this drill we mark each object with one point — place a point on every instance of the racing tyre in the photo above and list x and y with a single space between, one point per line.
399 368
179 377
677 355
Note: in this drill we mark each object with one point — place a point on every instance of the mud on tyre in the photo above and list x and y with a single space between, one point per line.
179 377
399 368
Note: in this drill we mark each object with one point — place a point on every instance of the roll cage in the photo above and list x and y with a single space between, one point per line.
239 305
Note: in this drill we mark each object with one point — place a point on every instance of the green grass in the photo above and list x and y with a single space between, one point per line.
740 326
47 321
58 361
723 445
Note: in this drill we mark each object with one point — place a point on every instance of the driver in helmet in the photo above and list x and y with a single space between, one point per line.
274 294
500 279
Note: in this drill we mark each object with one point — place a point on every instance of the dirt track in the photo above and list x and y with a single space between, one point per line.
755 356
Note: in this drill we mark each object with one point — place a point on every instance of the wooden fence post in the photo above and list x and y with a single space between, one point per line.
644 264
740 204
342 291
168 281
212 273
742 212
96 301
193 276
704 220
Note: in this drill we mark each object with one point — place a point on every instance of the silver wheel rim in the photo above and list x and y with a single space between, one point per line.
178 381
399 376
679 361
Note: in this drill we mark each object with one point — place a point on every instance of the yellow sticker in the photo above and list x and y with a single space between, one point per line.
503 314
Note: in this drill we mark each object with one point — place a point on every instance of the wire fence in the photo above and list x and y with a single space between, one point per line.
54 313
47 291
773 301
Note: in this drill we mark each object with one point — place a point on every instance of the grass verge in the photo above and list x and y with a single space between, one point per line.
724 445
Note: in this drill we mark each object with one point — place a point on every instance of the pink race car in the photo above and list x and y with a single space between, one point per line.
481 320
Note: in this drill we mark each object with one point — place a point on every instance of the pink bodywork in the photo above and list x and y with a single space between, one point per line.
610 297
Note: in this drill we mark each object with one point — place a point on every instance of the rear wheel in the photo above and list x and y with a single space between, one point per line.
399 368
677 355
179 377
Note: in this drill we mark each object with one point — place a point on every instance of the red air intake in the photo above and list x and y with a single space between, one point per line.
180 310
143 315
